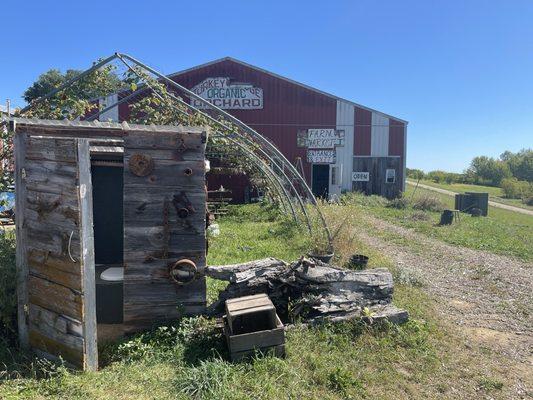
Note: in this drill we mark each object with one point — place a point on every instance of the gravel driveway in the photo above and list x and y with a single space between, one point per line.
490 296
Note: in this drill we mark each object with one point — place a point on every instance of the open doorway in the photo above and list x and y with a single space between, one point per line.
320 180
108 228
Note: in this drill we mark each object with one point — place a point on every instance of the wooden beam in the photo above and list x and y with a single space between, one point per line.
87 256
22 265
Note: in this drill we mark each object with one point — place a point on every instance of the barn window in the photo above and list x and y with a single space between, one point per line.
390 176
334 175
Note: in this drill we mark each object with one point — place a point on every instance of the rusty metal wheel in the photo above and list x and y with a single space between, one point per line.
141 165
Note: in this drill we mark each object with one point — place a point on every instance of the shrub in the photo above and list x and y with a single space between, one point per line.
357 198
399 203
515 189
453 177
257 212
8 298
428 203
415 173
436 176
420 216
528 200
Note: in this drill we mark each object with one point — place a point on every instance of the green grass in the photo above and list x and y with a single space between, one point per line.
495 193
424 358
251 240
502 232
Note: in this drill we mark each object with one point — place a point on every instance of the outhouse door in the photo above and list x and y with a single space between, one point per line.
55 257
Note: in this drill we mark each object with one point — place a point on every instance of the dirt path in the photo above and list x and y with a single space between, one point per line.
489 295
491 203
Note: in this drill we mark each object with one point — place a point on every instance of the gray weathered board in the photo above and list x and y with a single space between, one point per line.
55 267
377 167
154 240
246 344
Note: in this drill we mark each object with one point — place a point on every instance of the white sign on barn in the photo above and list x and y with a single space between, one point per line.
324 138
360 176
321 156
224 94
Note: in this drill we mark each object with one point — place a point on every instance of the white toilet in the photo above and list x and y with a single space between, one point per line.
113 274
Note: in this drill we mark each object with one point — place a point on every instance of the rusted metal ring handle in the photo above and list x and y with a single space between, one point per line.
183 271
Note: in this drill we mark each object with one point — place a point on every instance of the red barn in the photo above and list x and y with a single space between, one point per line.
336 144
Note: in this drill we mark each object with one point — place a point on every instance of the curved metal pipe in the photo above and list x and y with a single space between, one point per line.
246 128
255 137
225 127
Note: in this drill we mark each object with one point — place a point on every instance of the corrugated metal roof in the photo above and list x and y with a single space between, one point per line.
285 79
124 126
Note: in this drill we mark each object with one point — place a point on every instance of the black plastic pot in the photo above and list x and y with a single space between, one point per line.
325 258
358 261
446 217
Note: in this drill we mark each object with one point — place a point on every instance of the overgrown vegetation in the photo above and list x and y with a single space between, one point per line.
496 194
8 298
503 231
515 189
513 172
428 203
188 360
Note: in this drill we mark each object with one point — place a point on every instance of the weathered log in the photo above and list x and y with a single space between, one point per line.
228 272
310 289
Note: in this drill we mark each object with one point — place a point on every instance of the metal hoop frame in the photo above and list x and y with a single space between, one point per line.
265 156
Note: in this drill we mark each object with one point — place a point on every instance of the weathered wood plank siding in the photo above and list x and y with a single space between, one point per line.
164 221
21 254
377 167
53 293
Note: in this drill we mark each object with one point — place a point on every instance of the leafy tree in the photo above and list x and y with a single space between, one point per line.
436 176
414 173
515 189
47 82
453 177
520 164
489 170
74 101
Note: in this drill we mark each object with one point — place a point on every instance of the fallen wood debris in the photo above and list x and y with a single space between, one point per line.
310 290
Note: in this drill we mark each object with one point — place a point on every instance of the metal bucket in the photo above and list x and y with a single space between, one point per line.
358 262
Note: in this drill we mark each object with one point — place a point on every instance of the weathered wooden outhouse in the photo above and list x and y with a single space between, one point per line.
110 231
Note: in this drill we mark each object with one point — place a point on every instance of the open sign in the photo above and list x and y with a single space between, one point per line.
360 176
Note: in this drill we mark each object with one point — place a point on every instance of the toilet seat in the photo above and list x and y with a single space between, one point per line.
113 274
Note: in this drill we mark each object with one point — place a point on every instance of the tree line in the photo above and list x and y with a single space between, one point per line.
513 172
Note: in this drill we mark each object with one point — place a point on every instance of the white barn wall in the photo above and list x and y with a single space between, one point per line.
346 122
379 142
404 156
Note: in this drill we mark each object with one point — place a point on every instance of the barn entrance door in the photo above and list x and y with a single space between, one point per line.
320 180
164 226
55 257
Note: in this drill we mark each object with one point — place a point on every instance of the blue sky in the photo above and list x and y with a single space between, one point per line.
461 72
